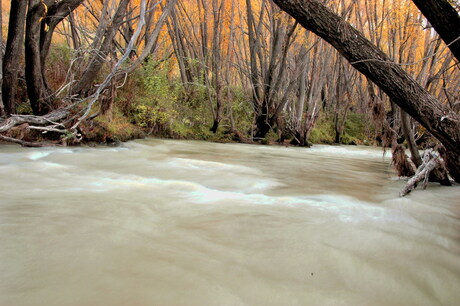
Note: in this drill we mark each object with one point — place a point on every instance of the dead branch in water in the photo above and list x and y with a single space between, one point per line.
431 161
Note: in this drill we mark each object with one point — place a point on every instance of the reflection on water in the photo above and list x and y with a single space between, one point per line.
189 223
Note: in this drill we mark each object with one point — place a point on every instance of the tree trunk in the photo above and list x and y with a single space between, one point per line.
263 125
40 98
13 54
452 161
445 20
400 162
2 107
215 126
437 118
86 81
409 135
338 129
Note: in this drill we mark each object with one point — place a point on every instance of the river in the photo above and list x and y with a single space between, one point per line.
162 222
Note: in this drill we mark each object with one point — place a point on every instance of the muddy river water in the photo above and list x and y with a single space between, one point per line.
161 222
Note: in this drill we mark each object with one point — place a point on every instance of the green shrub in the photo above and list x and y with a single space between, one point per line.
111 129
323 131
163 107
355 129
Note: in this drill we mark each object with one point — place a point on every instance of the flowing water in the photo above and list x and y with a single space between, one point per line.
158 222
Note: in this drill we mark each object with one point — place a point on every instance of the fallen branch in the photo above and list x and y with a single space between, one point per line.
27 143
431 161
14 120
45 129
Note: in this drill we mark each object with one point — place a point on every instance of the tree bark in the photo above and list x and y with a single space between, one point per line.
409 135
39 96
2 107
446 21
13 54
437 118
452 163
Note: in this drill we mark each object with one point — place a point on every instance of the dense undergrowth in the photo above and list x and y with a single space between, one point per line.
154 102
159 105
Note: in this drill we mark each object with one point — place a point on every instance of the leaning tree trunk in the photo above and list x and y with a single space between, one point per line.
13 54
445 20
437 118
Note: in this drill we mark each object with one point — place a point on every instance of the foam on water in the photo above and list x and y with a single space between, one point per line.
39 154
351 151
346 209
36 155
209 165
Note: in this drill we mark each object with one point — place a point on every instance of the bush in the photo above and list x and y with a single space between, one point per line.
110 129
164 107
323 131
355 129
58 64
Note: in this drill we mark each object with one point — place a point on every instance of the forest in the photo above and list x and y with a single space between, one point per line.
230 152
292 72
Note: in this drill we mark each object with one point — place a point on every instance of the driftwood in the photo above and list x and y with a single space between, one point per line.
27 143
50 119
431 161
46 123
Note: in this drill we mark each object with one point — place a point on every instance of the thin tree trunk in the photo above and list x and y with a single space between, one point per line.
76 41
409 135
